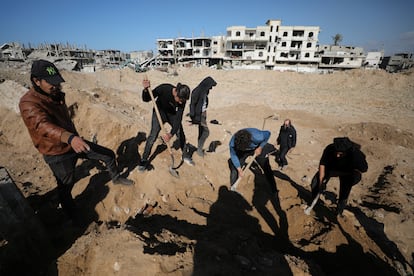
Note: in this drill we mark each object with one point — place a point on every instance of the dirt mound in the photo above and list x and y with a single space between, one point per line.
194 224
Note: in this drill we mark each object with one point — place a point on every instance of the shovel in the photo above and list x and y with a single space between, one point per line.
315 200
171 168
309 209
234 186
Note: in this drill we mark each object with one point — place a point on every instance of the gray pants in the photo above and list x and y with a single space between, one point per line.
203 131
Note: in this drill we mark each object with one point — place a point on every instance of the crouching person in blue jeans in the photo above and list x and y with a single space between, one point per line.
248 142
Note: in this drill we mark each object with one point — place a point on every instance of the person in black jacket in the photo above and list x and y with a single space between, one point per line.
344 159
198 110
287 141
170 101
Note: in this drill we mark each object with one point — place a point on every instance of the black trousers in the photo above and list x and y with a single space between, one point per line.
282 155
63 168
346 181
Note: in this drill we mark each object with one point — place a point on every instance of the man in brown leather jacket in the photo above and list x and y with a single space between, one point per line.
53 133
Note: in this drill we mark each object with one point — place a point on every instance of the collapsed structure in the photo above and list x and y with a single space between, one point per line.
273 47
263 47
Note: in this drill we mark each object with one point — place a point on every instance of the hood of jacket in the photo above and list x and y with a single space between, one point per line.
207 83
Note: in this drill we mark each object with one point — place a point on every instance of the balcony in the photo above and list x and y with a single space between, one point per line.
247 38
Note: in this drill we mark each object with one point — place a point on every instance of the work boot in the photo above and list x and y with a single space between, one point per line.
189 161
143 166
187 155
200 152
118 180
340 207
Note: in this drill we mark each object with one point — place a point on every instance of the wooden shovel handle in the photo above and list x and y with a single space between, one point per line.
234 186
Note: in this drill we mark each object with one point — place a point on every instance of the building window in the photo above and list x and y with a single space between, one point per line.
284 44
308 45
268 49
260 54
284 33
262 33
274 49
277 28
310 34
297 33
237 33
271 28
270 38
307 55
275 38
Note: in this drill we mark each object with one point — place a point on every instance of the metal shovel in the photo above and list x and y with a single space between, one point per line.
234 186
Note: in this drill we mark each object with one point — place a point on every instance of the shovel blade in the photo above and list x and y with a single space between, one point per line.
173 172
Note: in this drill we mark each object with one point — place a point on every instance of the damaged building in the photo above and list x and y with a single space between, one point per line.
271 46
12 51
260 47
70 56
341 57
398 62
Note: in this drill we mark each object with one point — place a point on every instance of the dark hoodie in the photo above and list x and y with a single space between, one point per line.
197 98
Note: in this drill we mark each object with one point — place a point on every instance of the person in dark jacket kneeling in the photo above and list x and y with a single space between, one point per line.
344 159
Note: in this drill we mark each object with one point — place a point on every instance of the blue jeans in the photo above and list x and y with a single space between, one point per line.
63 168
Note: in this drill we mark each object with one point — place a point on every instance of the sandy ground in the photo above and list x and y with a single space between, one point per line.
193 225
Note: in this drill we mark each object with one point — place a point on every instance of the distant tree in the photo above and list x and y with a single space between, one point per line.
337 39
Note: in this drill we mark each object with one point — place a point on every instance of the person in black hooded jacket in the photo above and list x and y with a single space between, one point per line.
170 101
345 160
198 110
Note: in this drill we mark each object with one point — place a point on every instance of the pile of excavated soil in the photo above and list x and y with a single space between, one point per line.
193 225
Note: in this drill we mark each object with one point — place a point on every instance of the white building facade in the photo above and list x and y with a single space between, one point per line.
259 47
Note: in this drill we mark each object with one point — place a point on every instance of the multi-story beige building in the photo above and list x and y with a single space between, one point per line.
259 47
246 46
293 44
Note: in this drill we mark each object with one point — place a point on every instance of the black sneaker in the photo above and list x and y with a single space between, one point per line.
200 153
189 161
123 181
143 166
340 207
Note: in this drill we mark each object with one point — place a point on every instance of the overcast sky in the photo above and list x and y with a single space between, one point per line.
136 25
